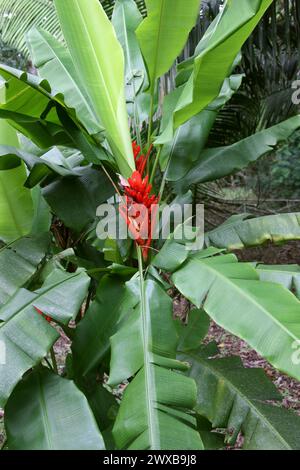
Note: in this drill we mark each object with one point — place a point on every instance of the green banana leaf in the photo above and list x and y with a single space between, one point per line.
60 417
39 112
146 346
25 103
241 231
52 161
215 163
74 199
233 296
42 217
17 18
27 94
286 275
175 252
189 140
126 18
234 398
54 64
164 32
211 440
16 207
26 335
103 404
214 57
19 261
193 331
98 57
91 340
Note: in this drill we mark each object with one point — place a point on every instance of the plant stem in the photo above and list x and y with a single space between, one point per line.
148 360
136 118
141 271
155 164
53 359
48 362
137 124
150 124
150 119
163 182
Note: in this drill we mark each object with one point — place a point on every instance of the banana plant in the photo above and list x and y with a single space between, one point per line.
91 131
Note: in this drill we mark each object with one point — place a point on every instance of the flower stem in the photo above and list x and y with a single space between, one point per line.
141 271
150 120
53 359
155 164
163 183
150 385
136 117
150 124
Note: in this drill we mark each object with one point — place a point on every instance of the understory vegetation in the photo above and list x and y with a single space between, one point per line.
149 342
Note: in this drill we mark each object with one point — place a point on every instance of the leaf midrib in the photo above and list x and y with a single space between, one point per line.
148 363
245 294
38 296
157 44
56 57
238 392
11 208
44 414
103 81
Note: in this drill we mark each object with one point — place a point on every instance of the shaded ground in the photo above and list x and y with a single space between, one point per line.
289 253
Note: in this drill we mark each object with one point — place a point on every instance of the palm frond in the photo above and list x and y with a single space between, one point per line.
17 17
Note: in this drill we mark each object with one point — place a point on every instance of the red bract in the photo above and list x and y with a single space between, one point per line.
140 160
41 313
140 206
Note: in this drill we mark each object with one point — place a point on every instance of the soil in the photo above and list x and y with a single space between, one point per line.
289 253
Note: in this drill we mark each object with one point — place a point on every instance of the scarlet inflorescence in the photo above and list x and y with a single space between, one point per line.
140 206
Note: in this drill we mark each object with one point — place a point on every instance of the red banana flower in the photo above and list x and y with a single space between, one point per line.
140 206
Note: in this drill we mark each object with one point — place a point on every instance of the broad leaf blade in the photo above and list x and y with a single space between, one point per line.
26 94
234 297
60 417
54 63
146 345
74 199
24 101
242 231
186 147
91 340
126 18
214 58
26 335
100 64
163 33
193 331
286 275
215 163
18 262
233 397
16 208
